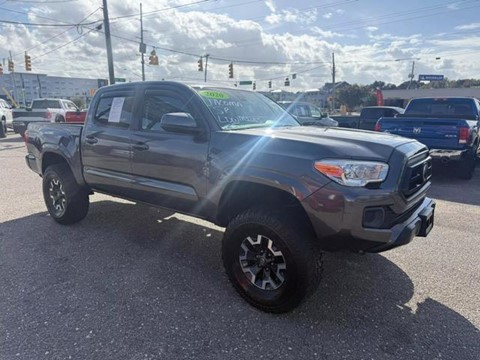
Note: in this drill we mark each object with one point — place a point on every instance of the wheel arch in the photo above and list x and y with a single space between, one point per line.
240 195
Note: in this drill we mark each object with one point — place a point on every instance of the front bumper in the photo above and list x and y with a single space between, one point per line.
338 218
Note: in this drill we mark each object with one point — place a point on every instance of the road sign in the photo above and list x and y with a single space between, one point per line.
246 82
431 78
117 80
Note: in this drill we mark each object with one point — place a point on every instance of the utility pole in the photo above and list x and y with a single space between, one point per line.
333 82
142 46
411 75
206 65
108 40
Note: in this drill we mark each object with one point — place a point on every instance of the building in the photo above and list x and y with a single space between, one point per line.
24 87
400 97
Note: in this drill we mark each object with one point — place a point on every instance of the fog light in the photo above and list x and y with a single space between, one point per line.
373 217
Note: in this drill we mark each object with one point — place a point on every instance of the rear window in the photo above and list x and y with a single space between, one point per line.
46 104
373 113
440 107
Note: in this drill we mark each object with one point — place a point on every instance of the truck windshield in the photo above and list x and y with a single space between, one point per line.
440 107
238 109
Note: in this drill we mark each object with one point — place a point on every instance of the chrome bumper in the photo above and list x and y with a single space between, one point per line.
447 155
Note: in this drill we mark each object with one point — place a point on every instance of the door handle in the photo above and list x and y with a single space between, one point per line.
140 146
91 140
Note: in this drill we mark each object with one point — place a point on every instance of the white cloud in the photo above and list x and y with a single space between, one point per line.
270 4
327 15
371 28
340 11
198 32
471 26
292 16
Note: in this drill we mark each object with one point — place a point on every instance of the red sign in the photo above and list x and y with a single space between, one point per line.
379 97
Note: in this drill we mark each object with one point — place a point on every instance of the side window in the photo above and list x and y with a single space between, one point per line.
155 106
114 111
314 112
70 106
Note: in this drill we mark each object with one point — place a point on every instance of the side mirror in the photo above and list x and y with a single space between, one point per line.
179 122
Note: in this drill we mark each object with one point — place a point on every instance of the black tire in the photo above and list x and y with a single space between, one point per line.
60 119
66 201
3 128
299 255
466 167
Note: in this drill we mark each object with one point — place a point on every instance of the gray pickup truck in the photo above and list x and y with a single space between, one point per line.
284 192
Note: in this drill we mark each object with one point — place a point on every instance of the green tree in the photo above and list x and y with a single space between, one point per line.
353 96
79 101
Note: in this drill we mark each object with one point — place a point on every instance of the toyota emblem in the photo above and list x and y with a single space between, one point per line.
417 130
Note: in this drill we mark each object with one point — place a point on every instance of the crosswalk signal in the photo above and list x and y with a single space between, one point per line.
11 66
28 62
153 58
287 82
270 84
230 70
200 64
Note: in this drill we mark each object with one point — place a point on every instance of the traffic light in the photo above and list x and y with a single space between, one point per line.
28 62
294 76
11 66
1 69
254 85
270 84
287 81
200 64
230 70
153 58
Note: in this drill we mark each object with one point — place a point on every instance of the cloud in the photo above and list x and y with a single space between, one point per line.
328 15
371 28
471 26
194 31
292 16
270 4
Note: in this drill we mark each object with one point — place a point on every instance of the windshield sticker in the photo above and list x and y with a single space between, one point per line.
214 94
116 109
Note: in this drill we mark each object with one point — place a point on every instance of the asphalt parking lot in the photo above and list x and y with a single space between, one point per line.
133 282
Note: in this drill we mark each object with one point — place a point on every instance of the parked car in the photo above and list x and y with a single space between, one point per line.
5 117
283 191
51 110
369 117
307 114
448 126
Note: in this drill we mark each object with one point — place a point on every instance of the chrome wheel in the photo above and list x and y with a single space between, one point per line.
57 196
262 263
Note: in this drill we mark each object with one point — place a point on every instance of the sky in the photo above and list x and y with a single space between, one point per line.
265 40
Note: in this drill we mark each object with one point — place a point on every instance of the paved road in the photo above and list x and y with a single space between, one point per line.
132 282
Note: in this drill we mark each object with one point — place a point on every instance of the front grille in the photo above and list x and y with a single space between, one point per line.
417 173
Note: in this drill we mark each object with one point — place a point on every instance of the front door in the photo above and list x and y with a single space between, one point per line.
169 167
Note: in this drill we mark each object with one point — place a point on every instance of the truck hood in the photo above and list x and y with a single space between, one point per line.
334 142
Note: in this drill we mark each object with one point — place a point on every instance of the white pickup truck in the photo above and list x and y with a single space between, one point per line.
51 110
5 117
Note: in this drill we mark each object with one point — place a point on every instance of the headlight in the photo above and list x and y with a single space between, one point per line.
353 172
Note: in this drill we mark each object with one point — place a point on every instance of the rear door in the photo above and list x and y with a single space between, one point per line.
169 167
106 148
